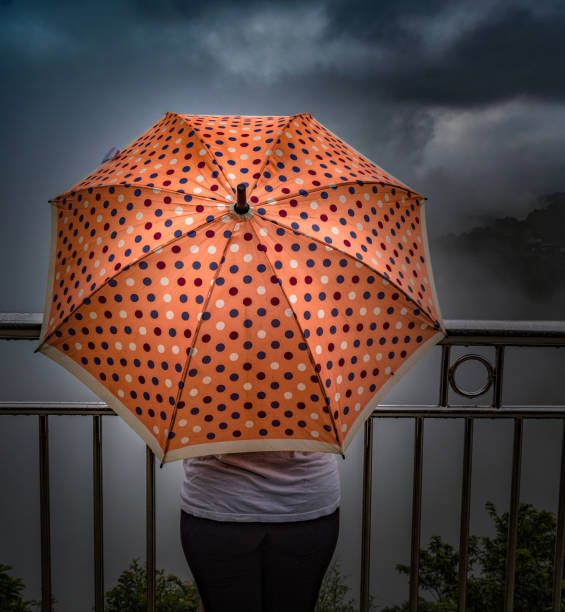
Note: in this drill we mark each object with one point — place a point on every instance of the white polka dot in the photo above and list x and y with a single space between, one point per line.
202 151
357 407
78 346
261 333
121 243
339 379
123 314
288 312
247 258
118 346
160 348
363 311
360 390
342 199
179 210
189 221
274 365
301 367
335 231
211 249
293 263
197 190
292 298
343 345
337 397
142 331
248 386
351 295
184 440
182 423
287 395
167 297
319 349
175 349
234 248
314 434
220 303
378 356
398 325
324 279
220 325
376 310
193 392
314 205
170 314
366 357
155 429
132 346
234 357
249 424
261 290
321 314
196 428
388 370
200 178
93 315
301 386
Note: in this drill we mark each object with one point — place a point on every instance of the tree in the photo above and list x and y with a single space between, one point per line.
171 593
485 591
11 593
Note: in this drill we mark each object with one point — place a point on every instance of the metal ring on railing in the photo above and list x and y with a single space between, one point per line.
484 388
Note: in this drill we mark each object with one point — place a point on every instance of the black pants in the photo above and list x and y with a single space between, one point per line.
259 567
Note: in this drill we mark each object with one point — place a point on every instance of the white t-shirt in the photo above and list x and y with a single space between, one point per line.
270 486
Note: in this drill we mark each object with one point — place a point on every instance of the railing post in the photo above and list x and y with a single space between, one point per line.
560 537
498 377
150 526
444 375
465 514
98 513
416 513
366 518
45 515
513 516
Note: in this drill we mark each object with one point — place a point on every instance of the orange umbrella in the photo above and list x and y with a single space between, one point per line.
231 283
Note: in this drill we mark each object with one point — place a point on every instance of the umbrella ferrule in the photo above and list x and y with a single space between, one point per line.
241 207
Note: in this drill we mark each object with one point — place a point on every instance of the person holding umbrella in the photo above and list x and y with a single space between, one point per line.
259 529
243 291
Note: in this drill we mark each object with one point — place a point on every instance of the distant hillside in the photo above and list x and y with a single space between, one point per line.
513 268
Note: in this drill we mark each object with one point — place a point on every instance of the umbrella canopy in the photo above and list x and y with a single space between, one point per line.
212 326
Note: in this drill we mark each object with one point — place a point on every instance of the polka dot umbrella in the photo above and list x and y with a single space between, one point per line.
231 283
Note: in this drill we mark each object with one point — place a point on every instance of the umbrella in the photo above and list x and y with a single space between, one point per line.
233 283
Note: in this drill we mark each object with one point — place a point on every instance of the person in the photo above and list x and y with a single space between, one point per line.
259 529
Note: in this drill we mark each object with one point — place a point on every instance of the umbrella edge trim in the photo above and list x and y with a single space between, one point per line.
386 388
104 394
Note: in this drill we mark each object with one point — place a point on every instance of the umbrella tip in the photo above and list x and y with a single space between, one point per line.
241 206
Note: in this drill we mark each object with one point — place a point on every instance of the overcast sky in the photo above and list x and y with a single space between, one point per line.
463 100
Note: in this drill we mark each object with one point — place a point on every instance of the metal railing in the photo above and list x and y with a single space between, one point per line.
497 334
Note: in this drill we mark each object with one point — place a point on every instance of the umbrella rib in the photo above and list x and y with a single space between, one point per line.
190 354
325 244
71 195
311 357
335 185
122 270
268 157
209 155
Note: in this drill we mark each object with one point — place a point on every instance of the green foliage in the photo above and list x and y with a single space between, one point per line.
333 592
171 593
439 565
11 593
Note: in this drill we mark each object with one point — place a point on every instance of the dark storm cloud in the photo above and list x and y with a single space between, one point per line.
435 53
